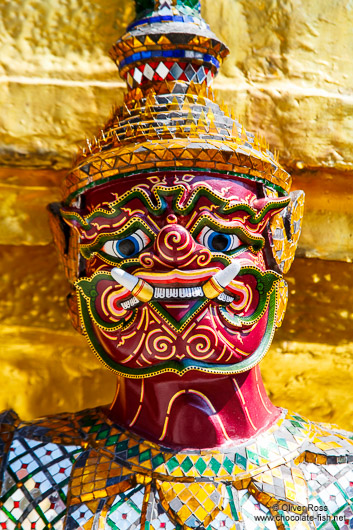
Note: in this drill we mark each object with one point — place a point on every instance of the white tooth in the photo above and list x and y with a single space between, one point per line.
134 301
225 298
168 293
130 303
175 293
196 291
188 293
160 292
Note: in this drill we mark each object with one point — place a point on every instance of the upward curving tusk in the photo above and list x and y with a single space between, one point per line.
216 285
142 290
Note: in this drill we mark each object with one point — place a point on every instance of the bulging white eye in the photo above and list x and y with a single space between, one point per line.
128 246
218 241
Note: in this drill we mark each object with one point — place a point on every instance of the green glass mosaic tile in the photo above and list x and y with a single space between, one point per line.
133 451
121 446
252 457
228 465
200 465
186 465
264 452
157 460
172 464
103 434
112 440
214 465
145 455
240 461
282 442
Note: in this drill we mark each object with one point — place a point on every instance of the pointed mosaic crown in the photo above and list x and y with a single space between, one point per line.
170 119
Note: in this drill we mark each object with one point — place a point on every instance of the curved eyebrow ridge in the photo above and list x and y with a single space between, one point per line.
135 223
240 229
155 203
242 221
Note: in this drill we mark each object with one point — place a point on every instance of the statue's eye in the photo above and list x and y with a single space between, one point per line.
218 241
128 246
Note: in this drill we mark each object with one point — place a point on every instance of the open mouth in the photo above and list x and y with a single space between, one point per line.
176 294
238 294
187 286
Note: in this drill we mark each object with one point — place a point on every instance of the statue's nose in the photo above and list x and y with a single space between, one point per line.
174 245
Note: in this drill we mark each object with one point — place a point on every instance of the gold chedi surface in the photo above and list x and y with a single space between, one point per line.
288 76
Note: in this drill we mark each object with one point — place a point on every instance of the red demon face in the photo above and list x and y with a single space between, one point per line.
175 274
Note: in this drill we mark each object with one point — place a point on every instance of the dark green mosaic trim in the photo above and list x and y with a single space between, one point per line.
230 174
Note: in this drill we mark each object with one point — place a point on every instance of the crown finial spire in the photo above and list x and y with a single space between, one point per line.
168 41
145 6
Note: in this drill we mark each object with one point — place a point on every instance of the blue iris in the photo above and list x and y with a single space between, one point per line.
129 246
219 242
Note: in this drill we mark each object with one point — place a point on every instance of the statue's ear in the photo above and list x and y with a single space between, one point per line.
60 230
66 240
284 232
73 217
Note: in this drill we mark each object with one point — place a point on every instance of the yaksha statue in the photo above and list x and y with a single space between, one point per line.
175 230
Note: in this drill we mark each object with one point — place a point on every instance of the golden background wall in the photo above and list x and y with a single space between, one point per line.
289 76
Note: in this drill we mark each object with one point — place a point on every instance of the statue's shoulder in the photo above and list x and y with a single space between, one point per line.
33 444
330 444
37 460
9 421
65 428
321 443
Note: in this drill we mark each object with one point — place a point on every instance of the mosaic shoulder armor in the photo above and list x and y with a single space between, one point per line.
82 471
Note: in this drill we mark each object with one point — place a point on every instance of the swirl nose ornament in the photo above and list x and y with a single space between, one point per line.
175 245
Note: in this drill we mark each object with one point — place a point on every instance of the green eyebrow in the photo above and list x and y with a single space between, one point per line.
256 242
87 250
155 203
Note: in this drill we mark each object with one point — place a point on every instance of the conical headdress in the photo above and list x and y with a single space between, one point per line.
170 119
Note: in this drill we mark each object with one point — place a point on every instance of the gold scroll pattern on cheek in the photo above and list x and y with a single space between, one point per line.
285 228
190 503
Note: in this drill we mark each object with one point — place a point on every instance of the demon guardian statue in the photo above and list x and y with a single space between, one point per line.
175 230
